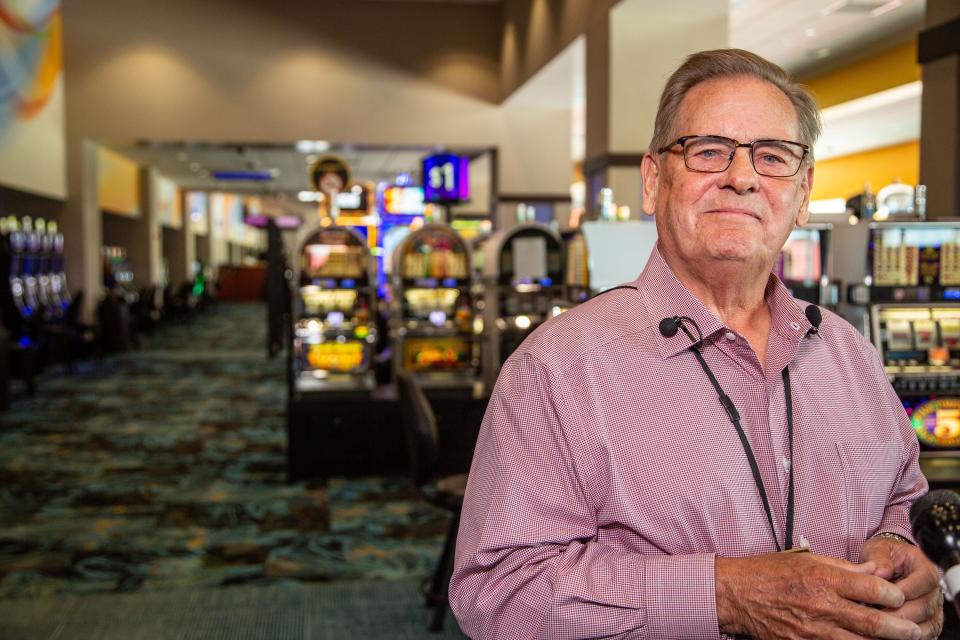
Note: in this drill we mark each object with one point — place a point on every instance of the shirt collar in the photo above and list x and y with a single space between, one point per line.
665 297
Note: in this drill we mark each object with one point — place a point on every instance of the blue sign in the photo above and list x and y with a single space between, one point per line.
446 178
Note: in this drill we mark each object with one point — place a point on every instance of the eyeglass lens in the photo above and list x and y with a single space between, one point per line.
773 158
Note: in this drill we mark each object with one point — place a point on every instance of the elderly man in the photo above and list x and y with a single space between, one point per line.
696 454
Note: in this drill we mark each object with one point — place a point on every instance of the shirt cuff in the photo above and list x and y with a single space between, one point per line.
679 593
897 521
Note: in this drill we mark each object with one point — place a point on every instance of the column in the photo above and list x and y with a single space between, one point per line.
629 58
939 53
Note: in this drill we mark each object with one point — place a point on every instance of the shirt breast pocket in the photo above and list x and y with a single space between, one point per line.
870 471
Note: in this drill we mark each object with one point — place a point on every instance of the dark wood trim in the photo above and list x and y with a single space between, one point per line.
494 185
18 202
510 198
607 160
942 40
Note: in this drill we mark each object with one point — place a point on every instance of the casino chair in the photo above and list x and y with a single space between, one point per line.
423 451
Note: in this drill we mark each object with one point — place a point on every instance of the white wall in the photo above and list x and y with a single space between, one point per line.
648 41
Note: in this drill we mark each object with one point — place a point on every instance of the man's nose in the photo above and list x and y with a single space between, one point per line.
740 175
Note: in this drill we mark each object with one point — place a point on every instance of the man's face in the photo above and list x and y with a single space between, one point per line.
735 215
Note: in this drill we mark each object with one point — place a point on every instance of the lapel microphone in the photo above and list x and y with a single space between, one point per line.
815 317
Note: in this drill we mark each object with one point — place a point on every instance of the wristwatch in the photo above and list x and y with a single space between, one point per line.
892 536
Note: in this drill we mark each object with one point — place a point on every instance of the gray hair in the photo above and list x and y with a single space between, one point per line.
724 63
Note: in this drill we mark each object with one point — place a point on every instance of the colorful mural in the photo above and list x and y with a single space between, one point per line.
32 141
166 202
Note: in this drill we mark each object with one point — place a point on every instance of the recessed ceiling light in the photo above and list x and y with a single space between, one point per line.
810 32
194 166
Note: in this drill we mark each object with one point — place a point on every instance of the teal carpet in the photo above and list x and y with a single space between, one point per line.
163 469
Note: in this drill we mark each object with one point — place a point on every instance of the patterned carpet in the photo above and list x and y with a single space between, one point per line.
164 469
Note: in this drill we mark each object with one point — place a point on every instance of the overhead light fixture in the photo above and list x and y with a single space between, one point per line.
827 206
885 8
309 196
810 32
833 7
253 176
312 146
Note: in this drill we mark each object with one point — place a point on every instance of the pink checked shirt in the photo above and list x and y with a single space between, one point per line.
607 476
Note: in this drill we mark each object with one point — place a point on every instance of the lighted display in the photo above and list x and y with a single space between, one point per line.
799 260
420 354
446 178
910 257
403 201
335 356
937 422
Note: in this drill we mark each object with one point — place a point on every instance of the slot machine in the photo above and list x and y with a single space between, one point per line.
804 267
58 268
913 295
30 245
48 302
524 286
432 321
334 324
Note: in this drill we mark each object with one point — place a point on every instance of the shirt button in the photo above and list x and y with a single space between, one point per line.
731 336
786 464
795 326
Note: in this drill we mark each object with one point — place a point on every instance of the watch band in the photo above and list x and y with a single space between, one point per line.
892 536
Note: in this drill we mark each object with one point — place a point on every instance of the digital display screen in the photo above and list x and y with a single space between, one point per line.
446 178
403 201
937 422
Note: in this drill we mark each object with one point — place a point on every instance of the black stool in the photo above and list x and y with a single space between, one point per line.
420 430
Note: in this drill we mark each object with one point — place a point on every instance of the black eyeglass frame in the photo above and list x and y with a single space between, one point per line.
682 141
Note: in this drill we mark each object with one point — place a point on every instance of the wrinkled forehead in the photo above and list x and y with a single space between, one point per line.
741 107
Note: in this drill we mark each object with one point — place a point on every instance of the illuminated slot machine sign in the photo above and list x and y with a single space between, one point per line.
446 178
915 322
434 315
334 329
401 209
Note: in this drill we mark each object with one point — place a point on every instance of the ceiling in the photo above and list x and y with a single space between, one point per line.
190 165
800 35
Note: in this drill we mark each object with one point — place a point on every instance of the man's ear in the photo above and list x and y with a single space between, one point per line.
650 175
807 186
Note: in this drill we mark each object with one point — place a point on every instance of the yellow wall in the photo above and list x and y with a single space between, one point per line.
845 176
886 70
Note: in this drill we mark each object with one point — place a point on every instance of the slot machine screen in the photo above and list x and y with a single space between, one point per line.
800 259
915 256
447 353
335 356
918 337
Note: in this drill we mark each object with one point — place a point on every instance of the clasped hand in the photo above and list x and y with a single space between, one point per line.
894 594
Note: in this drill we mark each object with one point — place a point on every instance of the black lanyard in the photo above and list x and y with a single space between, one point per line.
734 416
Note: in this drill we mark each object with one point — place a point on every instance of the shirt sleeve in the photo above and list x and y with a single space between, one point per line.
528 564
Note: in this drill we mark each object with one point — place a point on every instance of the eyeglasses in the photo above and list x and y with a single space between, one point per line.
714 154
